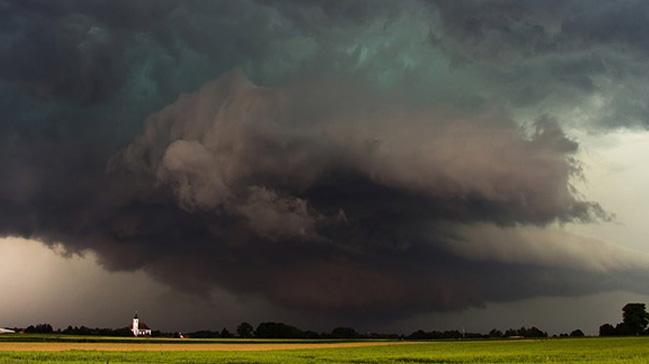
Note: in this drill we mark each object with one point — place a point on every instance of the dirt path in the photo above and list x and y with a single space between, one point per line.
181 346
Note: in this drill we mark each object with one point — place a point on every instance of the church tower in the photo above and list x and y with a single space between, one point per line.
136 325
140 328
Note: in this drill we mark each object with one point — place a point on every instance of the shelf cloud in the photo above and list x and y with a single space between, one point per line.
347 158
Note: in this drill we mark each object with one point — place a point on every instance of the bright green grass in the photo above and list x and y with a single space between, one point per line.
587 350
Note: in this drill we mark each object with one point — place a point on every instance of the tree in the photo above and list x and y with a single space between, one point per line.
278 330
495 333
226 334
244 329
623 329
577 333
635 318
40 329
510 333
532 332
418 335
607 330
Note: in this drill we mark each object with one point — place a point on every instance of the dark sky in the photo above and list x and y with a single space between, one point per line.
367 162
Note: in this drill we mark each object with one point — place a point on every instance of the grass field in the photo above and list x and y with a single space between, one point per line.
585 350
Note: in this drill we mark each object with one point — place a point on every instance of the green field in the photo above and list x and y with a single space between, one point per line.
585 350
53 338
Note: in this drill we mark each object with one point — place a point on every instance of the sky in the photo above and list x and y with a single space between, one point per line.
379 164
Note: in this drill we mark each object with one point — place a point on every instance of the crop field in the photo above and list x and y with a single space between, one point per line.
76 350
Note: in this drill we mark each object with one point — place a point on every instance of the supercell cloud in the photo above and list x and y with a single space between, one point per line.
347 158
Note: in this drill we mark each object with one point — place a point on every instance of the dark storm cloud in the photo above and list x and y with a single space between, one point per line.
362 157
557 54
532 28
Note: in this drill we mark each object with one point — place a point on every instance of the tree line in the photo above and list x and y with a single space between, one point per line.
635 320
279 330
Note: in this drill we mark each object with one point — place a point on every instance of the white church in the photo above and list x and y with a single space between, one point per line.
139 328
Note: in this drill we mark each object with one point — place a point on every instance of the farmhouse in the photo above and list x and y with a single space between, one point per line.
139 328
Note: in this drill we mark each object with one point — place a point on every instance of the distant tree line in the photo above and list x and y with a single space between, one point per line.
532 332
82 331
278 330
39 329
634 322
87 331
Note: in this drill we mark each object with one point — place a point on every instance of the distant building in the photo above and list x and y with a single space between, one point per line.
6 331
139 328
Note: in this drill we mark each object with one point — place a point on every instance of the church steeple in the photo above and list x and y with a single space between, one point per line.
139 328
135 327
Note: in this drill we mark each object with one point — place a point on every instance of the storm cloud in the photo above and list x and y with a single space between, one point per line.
361 158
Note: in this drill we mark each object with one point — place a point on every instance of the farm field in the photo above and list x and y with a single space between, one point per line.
583 350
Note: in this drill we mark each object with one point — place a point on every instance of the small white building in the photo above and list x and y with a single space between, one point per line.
139 328
6 331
